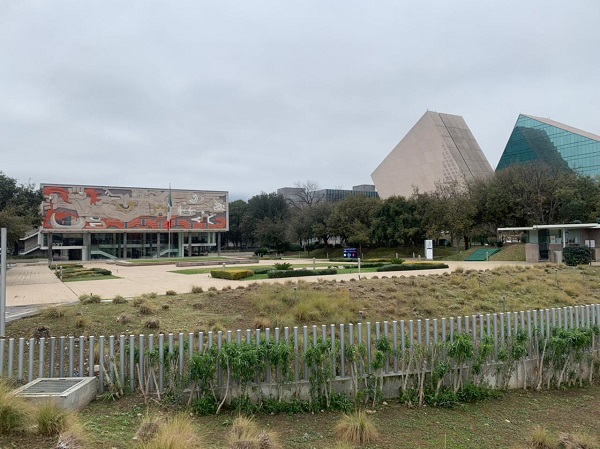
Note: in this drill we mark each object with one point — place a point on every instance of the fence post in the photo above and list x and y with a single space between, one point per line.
161 361
132 362
395 344
101 363
91 359
342 351
41 361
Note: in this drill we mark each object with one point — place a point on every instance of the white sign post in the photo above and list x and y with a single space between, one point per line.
429 249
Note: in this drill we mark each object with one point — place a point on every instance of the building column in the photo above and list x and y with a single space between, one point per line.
219 244
158 245
190 244
50 248
124 245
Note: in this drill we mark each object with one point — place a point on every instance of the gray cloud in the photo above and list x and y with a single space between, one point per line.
252 96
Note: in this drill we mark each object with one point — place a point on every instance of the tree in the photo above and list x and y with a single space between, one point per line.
307 194
236 234
396 223
270 210
352 219
448 208
19 209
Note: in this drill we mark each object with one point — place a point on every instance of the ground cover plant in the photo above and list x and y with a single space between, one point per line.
77 272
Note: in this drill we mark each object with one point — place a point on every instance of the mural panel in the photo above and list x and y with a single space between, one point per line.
75 208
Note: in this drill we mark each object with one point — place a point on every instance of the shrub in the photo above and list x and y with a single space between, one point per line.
152 324
413 266
356 428
13 411
119 300
341 259
123 319
197 289
282 266
367 265
54 312
396 261
262 270
499 243
51 419
297 273
231 275
577 255
261 251
138 301
90 299
296 247
171 293
146 309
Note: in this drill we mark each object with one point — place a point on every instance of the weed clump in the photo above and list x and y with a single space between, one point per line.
197 289
119 300
356 428
52 420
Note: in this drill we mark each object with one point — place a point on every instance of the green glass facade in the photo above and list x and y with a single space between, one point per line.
537 139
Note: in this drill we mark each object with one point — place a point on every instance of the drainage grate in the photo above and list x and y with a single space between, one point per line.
51 386
67 392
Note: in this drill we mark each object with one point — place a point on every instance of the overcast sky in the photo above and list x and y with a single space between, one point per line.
250 96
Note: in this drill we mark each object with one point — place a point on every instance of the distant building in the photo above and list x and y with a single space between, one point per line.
297 195
541 139
100 222
439 147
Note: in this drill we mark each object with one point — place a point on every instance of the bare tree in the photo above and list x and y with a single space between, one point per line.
307 194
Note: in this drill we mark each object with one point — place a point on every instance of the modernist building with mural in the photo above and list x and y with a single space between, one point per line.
101 222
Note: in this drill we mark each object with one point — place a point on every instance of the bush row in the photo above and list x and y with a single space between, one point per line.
297 273
232 275
413 266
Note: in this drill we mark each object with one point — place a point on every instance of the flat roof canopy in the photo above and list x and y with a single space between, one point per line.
554 226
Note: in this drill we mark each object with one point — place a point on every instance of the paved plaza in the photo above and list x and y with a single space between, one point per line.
34 285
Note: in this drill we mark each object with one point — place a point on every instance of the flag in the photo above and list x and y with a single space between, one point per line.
169 207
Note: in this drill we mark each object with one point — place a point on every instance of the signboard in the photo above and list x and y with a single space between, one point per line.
93 208
429 249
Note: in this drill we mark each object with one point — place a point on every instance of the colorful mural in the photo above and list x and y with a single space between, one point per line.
72 208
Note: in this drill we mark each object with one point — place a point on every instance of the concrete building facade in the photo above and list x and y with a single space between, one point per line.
439 147
102 222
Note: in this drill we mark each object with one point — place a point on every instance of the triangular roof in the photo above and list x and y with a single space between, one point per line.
568 128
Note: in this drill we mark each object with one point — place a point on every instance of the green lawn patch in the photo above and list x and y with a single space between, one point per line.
91 278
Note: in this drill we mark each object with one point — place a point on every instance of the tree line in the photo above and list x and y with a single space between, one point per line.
457 211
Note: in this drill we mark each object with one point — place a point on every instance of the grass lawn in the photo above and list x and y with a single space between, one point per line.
176 259
501 423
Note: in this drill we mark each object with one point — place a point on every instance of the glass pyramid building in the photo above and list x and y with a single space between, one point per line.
541 139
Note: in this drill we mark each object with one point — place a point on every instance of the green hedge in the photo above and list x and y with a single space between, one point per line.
262 270
297 273
577 255
232 275
413 266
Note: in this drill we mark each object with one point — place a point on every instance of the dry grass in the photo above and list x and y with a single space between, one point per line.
244 433
395 298
52 420
14 411
356 428
177 432
75 437
577 441
540 439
